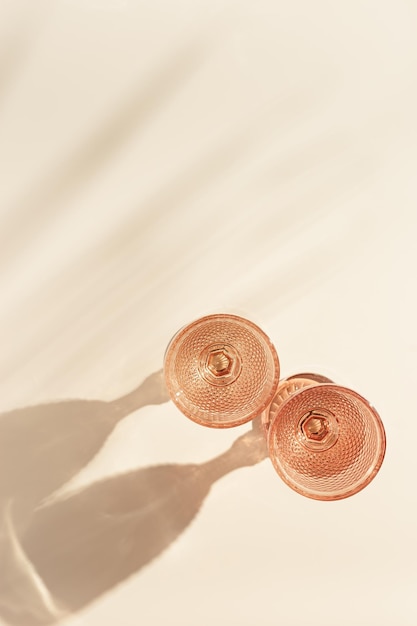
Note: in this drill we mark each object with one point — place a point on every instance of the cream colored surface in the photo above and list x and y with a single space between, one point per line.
163 160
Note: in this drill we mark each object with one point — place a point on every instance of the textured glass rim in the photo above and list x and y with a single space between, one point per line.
360 484
172 390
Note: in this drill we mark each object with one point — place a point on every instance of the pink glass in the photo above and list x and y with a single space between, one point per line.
221 370
325 441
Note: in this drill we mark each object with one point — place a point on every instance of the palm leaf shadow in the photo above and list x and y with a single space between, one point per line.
14 50
31 213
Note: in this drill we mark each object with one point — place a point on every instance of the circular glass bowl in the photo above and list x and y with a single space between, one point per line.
325 441
221 370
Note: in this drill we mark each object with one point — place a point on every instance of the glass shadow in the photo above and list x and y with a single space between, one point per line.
77 548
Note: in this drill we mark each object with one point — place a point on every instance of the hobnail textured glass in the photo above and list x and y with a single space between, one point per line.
325 441
221 370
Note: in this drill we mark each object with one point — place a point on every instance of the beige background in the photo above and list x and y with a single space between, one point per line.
161 160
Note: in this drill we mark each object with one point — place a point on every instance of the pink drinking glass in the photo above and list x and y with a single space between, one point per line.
221 370
325 441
